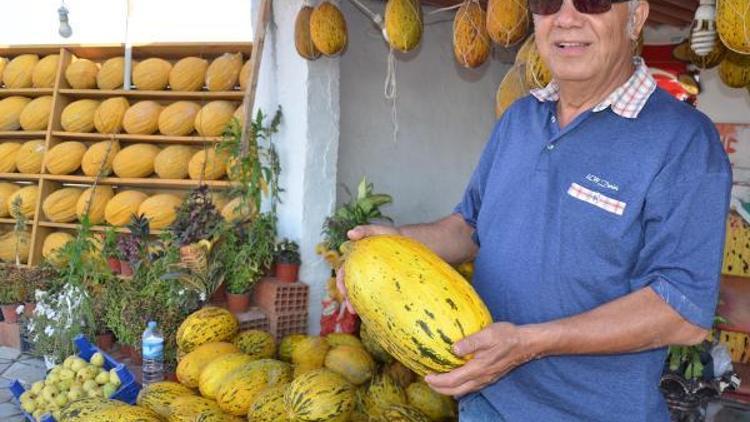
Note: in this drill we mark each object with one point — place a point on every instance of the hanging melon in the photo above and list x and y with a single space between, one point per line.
511 88
81 74
471 43
178 119
507 21
109 115
95 203
223 72
8 154
65 158
403 24
213 118
215 165
18 73
142 118
28 195
172 162
111 74
733 24
10 112
6 190
30 156
78 116
3 63
121 208
99 158
734 70
45 72
188 74
302 39
328 29
60 206
161 210
151 74
53 245
537 73
14 245
135 161
245 74
35 115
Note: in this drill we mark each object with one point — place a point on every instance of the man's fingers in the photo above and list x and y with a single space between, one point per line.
361 232
459 376
341 286
474 343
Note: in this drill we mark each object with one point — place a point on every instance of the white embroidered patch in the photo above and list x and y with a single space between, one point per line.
596 199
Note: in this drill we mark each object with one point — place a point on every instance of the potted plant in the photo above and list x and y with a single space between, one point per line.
11 297
34 279
110 250
287 260
133 248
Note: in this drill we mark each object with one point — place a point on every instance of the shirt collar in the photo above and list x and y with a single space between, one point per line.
626 101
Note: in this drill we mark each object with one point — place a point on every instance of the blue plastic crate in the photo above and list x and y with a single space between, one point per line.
129 388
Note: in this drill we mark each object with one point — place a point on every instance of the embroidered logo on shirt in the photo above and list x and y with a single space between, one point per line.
596 199
602 183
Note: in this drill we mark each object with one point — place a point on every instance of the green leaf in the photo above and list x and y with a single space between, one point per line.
362 189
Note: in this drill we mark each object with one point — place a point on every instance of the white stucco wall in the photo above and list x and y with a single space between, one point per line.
721 103
445 115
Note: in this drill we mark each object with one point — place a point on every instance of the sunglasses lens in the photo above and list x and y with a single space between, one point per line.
550 7
593 6
545 7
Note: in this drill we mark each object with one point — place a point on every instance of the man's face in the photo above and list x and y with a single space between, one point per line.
580 47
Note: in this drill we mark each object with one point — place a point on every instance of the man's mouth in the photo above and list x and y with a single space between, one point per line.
571 44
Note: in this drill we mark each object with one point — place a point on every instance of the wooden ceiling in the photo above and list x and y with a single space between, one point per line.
669 12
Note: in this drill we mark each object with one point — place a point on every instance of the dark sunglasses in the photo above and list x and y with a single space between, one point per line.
550 7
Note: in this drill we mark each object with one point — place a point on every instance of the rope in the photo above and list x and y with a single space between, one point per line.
391 91
445 9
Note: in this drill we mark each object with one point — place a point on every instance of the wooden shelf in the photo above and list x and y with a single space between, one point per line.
155 95
19 176
149 139
12 221
151 182
26 92
23 134
74 226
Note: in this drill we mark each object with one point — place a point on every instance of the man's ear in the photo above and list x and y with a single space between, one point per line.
639 18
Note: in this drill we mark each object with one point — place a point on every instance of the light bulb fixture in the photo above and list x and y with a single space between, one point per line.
65 30
703 33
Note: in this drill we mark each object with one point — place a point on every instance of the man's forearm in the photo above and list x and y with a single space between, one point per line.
450 238
633 323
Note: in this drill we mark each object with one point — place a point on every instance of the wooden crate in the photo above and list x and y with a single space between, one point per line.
62 94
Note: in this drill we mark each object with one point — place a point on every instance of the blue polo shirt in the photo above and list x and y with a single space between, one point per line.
570 219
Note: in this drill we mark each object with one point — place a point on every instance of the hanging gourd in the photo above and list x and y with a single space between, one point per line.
733 24
302 37
328 29
471 43
511 88
507 21
403 24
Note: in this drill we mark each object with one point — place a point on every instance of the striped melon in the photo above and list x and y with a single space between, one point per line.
383 392
197 409
79 410
268 405
733 24
320 395
471 43
258 344
311 352
35 116
53 244
172 162
372 346
65 158
15 245
8 154
351 362
507 21
399 373
121 208
240 389
142 118
400 413
403 24
178 119
215 373
111 74
287 345
28 196
10 112
435 405
160 210
302 40
158 396
328 29
223 72
734 70
60 206
213 118
6 190
108 116
99 157
136 161
188 74
208 165
19 72
343 339
208 324
78 116
125 413
414 321
30 156
151 74
95 203
189 368
45 72
81 74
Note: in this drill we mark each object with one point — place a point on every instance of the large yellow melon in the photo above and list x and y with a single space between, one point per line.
245 75
18 73
142 118
239 114
188 74
28 195
172 162
10 112
53 245
302 40
734 70
190 366
99 158
30 156
3 63
733 24
6 190
8 154
215 165
35 116
95 203
507 21
123 206
135 160
45 72
81 74
151 74
178 119
223 72
111 74
213 118
403 24
108 116
511 88
233 211
78 116
65 158
538 75
60 206
471 43
328 29
14 245
160 209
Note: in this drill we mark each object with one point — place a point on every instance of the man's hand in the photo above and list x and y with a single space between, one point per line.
496 350
357 233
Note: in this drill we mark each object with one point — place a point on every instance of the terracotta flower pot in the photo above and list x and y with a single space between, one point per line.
135 357
28 309
238 303
287 272
9 313
105 341
171 376
126 351
125 269
220 294
114 265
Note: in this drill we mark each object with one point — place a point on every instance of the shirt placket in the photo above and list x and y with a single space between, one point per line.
555 135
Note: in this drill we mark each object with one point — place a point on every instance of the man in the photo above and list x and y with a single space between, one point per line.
596 218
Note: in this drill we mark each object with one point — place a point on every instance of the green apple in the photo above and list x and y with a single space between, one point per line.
49 392
102 378
114 379
108 390
66 374
38 414
97 359
89 385
64 385
57 414
51 379
94 393
77 364
69 361
61 400
74 395
36 388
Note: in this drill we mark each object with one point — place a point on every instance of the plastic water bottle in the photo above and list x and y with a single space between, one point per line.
153 354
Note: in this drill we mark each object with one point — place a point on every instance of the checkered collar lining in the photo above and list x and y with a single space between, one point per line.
626 101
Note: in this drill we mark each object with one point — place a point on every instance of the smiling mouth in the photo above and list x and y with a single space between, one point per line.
564 45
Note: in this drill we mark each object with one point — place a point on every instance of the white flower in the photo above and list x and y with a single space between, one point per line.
19 309
49 330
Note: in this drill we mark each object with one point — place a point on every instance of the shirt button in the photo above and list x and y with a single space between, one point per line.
550 147
554 119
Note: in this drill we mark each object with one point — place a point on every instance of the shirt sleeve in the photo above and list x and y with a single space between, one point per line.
684 228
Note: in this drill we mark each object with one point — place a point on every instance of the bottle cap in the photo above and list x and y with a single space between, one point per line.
151 325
